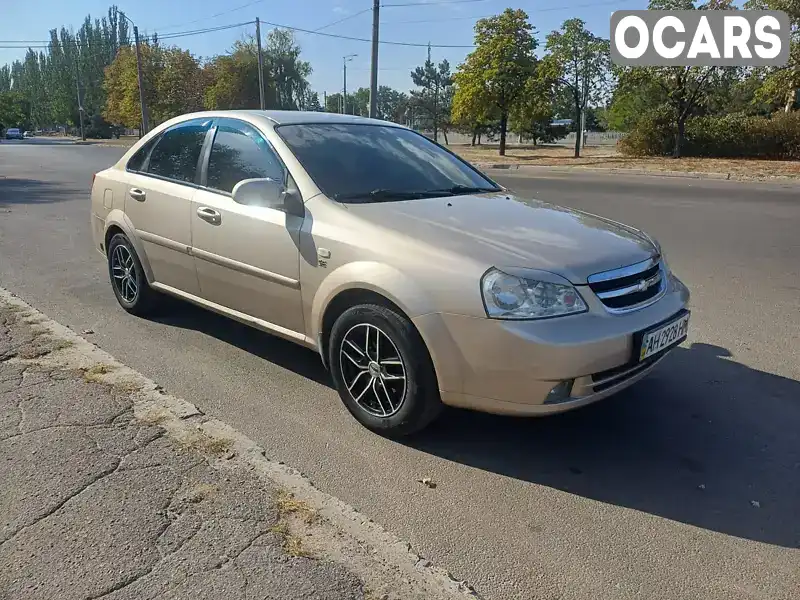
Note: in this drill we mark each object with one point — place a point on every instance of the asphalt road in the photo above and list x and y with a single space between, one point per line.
685 486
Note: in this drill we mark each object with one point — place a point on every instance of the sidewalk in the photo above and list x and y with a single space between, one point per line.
106 493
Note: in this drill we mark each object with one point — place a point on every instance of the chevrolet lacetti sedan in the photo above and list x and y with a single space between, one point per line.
419 280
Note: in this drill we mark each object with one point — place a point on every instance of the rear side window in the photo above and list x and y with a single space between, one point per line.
176 154
240 152
137 161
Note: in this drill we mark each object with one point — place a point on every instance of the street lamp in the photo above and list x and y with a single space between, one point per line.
345 60
145 120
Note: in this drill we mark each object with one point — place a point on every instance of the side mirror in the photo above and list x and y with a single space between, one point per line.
259 192
269 193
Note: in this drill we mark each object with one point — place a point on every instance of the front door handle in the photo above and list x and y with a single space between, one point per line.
209 215
137 194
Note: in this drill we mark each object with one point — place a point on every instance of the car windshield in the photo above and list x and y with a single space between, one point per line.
353 162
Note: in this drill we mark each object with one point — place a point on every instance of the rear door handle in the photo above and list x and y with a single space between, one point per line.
137 194
209 215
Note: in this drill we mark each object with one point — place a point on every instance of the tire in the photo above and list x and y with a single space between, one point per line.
124 266
387 405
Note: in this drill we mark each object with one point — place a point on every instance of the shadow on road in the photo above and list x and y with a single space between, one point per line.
18 191
285 354
704 440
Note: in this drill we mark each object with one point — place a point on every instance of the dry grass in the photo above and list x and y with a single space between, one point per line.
608 157
155 417
43 347
199 442
95 373
287 504
292 545
124 142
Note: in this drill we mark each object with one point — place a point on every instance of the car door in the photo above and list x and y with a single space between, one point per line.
161 181
247 257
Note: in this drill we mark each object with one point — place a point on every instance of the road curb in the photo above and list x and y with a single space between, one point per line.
610 170
360 536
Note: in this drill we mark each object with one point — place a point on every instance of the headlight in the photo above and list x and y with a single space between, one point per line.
509 297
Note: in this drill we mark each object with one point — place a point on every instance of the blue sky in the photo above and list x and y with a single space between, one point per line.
435 21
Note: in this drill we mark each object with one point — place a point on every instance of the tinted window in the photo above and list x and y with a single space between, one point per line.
136 163
239 152
352 160
176 153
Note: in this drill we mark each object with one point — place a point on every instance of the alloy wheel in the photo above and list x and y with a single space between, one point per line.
123 271
373 370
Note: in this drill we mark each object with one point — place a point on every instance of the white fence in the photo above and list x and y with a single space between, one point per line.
593 138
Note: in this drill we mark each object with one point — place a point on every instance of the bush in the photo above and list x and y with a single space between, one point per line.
728 136
98 128
653 134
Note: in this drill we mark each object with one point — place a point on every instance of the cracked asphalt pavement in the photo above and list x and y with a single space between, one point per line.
95 504
685 486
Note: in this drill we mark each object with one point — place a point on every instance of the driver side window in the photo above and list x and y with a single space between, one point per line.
240 152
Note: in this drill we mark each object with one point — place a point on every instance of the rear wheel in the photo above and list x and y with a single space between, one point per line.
127 276
383 371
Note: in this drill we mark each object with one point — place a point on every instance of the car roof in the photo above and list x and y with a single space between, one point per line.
293 117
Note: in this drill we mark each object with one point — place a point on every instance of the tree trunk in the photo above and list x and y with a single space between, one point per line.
578 129
474 137
444 133
676 153
790 100
479 138
503 129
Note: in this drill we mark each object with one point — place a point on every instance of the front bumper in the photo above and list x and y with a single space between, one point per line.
509 367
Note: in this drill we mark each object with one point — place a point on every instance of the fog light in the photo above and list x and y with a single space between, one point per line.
560 393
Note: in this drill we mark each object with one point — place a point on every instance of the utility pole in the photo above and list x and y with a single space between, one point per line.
324 101
373 78
345 60
260 65
80 104
145 119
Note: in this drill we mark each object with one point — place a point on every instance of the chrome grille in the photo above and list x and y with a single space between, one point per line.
630 288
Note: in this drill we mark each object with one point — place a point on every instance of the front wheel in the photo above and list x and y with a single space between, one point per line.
382 371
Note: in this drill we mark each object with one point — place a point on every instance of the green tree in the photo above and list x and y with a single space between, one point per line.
233 79
433 100
579 61
392 104
494 75
532 116
286 73
779 85
179 84
15 110
686 89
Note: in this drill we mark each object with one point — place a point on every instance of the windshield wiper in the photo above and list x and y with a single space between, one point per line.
384 194
461 190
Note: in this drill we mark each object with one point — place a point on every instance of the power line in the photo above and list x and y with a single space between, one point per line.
531 11
219 14
356 39
169 36
431 3
347 18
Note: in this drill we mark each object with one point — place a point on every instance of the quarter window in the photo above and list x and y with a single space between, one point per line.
176 154
240 152
137 161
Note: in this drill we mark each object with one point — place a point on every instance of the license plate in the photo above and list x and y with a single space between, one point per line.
666 336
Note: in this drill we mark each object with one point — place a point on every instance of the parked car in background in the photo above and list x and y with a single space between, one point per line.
419 280
12 133
27 135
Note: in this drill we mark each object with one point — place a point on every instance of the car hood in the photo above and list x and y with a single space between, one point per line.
504 230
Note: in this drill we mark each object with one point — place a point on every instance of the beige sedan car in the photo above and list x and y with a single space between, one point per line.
418 280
